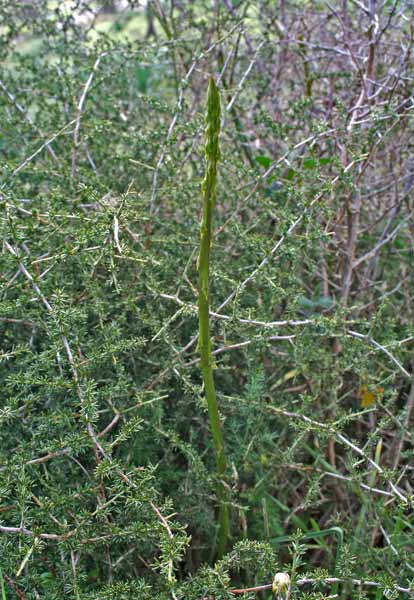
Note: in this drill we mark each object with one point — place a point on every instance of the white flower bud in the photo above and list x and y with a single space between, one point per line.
280 583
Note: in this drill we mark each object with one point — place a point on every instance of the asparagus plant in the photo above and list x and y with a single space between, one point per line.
209 191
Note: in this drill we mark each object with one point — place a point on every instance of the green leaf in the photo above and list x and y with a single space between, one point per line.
309 163
325 302
312 163
264 161
306 302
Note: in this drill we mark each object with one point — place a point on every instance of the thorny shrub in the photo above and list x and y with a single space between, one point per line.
108 485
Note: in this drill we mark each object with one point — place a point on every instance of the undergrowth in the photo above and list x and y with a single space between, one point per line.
109 483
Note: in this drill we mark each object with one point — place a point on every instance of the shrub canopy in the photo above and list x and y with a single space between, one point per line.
108 486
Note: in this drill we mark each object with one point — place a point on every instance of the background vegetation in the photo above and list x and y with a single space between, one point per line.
107 467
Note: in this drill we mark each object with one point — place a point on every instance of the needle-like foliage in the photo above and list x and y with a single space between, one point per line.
123 474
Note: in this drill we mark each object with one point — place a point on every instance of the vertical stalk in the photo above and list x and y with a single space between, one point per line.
209 189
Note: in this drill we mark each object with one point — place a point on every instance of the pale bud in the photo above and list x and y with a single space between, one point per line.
280 583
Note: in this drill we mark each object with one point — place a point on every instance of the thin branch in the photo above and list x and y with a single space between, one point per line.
374 343
80 109
42 147
243 79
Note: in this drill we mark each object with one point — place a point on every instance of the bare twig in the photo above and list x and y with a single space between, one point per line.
80 107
